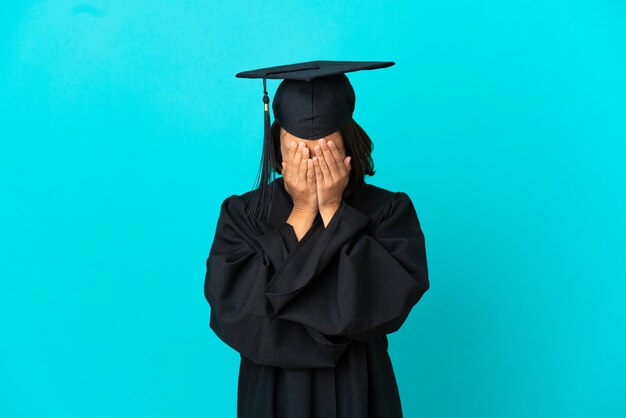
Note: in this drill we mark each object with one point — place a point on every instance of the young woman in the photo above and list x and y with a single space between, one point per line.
308 293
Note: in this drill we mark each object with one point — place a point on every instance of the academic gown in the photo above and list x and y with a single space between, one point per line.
310 317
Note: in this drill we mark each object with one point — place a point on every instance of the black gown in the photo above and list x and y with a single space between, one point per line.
310 317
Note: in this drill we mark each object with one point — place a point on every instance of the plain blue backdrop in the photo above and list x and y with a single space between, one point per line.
123 128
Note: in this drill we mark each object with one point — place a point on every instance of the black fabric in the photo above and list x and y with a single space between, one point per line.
316 108
310 317
315 98
312 69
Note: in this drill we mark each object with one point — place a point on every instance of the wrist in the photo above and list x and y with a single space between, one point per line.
301 220
305 212
328 212
330 207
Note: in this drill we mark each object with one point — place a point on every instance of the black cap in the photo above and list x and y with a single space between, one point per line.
314 99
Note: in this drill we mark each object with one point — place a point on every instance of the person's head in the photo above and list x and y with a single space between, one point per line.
315 100
351 140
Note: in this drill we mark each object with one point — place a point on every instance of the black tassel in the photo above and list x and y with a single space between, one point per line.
262 196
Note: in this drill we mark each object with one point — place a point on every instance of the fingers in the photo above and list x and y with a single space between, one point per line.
288 159
319 177
304 153
291 153
330 159
339 163
322 164
347 164
310 174
299 165
297 159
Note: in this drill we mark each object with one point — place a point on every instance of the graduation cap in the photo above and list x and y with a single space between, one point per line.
314 99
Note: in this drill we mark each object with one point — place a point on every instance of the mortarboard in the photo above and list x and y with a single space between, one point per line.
314 99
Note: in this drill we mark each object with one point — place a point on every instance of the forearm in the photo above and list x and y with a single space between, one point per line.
301 221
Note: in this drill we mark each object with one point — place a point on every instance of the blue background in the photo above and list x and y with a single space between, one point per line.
123 128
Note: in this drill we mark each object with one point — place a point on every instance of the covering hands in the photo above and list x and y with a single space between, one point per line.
332 173
316 184
297 170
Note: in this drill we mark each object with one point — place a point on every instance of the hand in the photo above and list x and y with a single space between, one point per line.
332 173
299 177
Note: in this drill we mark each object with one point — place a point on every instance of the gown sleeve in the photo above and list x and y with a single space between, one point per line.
355 281
239 266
